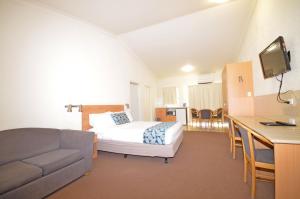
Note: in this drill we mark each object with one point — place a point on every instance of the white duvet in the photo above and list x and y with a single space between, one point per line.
134 131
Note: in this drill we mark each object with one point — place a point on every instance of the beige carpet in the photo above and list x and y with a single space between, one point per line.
203 168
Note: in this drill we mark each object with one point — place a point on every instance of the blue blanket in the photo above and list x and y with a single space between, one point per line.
156 133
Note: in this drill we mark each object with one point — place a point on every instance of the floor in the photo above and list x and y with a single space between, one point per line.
204 127
202 168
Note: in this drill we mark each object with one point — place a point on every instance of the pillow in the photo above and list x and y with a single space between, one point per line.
129 115
120 118
101 120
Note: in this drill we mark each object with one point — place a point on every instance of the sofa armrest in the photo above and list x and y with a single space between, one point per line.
83 141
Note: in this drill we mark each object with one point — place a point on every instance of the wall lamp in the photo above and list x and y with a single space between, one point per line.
69 107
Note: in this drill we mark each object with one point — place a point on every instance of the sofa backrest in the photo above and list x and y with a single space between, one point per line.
18 144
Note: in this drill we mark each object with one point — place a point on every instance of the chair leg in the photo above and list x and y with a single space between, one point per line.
230 144
233 148
245 169
253 186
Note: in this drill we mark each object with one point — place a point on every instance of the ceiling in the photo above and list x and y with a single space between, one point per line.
120 16
166 34
207 39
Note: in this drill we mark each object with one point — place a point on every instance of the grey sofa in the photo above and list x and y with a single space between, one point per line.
35 162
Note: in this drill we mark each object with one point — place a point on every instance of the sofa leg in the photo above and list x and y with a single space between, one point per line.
166 160
125 155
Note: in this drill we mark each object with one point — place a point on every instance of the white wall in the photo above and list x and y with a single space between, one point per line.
182 83
48 60
272 18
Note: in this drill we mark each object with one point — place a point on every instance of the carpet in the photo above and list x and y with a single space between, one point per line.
202 168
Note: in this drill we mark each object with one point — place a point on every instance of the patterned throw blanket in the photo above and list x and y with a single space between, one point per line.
156 133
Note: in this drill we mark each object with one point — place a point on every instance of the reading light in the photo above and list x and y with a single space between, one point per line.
187 68
70 107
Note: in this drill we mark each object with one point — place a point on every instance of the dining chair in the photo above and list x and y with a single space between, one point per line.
227 130
256 158
218 116
206 115
235 137
195 116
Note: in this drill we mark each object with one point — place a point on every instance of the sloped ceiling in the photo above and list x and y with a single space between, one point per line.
120 16
167 34
207 39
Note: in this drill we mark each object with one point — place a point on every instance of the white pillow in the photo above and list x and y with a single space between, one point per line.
101 120
129 115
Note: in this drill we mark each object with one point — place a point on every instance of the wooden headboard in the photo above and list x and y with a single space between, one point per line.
90 109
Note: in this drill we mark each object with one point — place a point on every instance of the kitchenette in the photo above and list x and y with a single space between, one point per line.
172 114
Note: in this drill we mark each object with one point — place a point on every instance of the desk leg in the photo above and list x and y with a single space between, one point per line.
287 171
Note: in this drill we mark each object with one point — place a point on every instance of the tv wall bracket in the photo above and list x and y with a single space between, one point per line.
289 55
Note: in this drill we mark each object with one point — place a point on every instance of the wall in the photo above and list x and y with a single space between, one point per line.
48 59
270 19
182 83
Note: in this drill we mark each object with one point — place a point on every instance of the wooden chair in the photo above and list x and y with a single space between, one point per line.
257 159
206 115
235 137
195 116
227 130
218 116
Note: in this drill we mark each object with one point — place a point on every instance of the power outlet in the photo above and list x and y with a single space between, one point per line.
292 101
292 121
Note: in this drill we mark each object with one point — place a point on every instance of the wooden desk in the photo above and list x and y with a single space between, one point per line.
286 141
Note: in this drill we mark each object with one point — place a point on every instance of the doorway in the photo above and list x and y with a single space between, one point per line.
134 101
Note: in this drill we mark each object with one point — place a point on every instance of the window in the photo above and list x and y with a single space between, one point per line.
169 95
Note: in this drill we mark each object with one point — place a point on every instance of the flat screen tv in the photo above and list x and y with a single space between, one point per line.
275 59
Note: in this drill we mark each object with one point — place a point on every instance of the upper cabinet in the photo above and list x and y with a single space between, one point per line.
237 88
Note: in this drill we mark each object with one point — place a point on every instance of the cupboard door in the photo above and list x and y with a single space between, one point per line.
238 89
161 114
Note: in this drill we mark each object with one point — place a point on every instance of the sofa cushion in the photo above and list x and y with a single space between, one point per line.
18 144
54 160
15 174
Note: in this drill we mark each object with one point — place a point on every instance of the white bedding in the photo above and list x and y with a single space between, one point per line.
134 131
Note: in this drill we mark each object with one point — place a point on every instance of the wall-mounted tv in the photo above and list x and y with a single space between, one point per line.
275 59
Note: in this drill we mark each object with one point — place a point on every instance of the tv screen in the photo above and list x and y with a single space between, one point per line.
274 59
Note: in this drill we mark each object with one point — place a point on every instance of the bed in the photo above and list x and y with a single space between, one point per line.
115 140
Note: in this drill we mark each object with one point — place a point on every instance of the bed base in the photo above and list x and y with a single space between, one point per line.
130 148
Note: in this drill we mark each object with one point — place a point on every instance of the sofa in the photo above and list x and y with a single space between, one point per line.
34 162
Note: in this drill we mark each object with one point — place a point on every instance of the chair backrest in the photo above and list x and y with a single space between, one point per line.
205 113
234 132
219 112
194 113
248 142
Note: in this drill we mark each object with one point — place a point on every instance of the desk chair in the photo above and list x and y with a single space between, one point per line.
258 159
235 137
